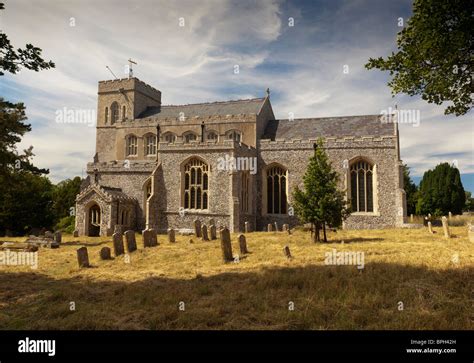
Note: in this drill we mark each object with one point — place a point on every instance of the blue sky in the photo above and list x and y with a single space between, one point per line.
301 64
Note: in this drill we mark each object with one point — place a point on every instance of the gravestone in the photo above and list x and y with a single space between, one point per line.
470 232
276 226
130 240
226 245
450 215
213 232
171 235
430 229
197 228
243 244
269 227
118 228
411 218
118 244
247 227
444 220
76 233
105 253
205 236
154 237
57 237
83 257
286 227
48 234
287 252
149 238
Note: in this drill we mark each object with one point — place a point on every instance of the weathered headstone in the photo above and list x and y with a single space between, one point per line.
197 228
105 253
171 235
57 237
226 245
269 227
205 236
118 244
444 220
470 232
243 244
286 227
430 229
213 232
76 233
118 228
450 215
287 252
83 257
276 226
411 218
154 238
247 227
130 240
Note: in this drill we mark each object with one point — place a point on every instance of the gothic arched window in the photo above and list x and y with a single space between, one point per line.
106 115
114 110
212 135
124 112
169 137
196 184
150 144
131 145
234 135
276 190
362 193
190 136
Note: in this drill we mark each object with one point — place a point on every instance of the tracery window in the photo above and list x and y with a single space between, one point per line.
362 194
276 190
196 185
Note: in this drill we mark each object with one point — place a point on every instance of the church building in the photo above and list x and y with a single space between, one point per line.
164 166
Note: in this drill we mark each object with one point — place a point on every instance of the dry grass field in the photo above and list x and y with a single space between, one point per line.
431 276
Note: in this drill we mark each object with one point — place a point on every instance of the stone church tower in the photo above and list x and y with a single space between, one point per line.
163 166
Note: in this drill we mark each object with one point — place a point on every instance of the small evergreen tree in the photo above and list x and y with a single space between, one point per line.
411 190
321 203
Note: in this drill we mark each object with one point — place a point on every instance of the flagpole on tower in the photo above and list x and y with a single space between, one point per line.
130 67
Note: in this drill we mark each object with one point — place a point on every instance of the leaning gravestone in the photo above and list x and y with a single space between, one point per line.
269 227
118 244
247 227
105 253
130 240
83 257
287 252
197 228
430 229
57 237
226 245
205 236
213 232
243 244
171 235
444 220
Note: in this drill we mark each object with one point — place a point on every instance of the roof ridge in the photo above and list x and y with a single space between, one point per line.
216 102
328 117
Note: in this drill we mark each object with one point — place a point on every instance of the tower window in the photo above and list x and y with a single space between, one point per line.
150 144
190 137
124 112
131 145
106 115
114 110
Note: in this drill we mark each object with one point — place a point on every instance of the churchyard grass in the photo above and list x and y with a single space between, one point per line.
411 280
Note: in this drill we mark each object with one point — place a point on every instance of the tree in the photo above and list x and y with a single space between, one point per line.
320 203
12 60
434 57
411 191
441 191
64 197
469 205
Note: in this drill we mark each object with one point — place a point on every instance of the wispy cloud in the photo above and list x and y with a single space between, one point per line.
302 64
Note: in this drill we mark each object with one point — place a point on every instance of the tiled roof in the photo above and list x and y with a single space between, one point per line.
250 106
309 128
